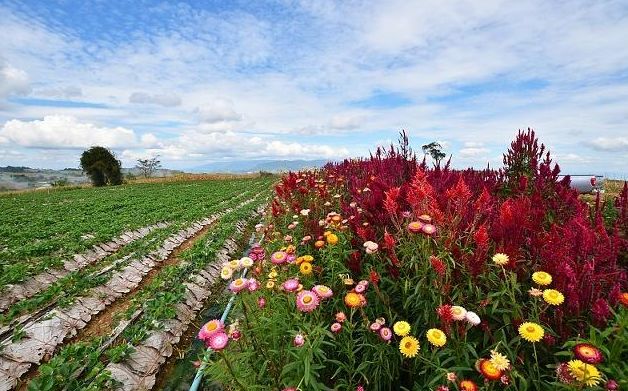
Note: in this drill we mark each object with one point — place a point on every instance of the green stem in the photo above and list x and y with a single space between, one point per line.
235 378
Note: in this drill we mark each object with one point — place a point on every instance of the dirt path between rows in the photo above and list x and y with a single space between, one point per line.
103 323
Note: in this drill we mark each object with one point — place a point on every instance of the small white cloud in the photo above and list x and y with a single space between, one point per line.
346 121
166 100
13 81
610 144
220 110
473 150
149 140
64 132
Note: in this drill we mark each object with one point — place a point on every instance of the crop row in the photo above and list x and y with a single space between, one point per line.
160 312
77 282
42 336
41 230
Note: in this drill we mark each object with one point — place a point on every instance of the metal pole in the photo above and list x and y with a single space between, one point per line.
199 373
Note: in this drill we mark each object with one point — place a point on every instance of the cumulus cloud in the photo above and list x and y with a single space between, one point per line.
220 110
610 144
166 100
64 132
13 81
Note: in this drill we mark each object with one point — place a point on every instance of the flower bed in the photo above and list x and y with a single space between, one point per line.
384 273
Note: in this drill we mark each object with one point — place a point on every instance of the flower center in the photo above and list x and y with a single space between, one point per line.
530 329
307 299
408 345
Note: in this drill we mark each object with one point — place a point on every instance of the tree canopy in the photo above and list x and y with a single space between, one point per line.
101 165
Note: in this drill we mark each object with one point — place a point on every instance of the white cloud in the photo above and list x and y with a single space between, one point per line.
608 144
473 149
64 132
13 81
346 121
220 110
166 100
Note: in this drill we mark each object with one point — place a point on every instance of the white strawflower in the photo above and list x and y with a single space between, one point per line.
473 318
226 273
458 313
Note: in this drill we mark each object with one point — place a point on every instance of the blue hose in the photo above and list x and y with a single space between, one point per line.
199 373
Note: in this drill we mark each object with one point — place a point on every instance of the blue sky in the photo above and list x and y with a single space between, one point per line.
204 81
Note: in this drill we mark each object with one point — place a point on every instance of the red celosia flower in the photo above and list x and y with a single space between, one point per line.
390 202
389 241
445 314
374 277
588 353
600 311
481 237
438 265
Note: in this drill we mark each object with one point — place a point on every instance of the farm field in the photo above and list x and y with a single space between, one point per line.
97 271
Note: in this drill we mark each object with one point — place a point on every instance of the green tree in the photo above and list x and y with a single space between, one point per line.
148 166
434 149
101 165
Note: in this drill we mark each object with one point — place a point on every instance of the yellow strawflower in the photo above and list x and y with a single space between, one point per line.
542 278
409 346
436 337
585 373
305 268
553 297
531 332
401 328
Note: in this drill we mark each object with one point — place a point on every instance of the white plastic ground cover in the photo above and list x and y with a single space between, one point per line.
38 283
43 336
139 371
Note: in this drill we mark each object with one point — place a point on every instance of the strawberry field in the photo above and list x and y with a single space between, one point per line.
98 285
389 274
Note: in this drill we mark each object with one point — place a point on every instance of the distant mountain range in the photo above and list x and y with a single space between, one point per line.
241 166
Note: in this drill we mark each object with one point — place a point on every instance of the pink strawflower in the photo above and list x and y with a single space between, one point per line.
306 238
261 302
385 334
428 229
253 285
299 340
323 291
341 317
210 328
336 327
360 288
375 326
238 284
218 341
290 258
279 257
288 238
291 285
360 387
415 227
307 301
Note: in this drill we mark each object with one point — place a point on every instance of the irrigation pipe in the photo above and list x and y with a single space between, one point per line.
199 373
